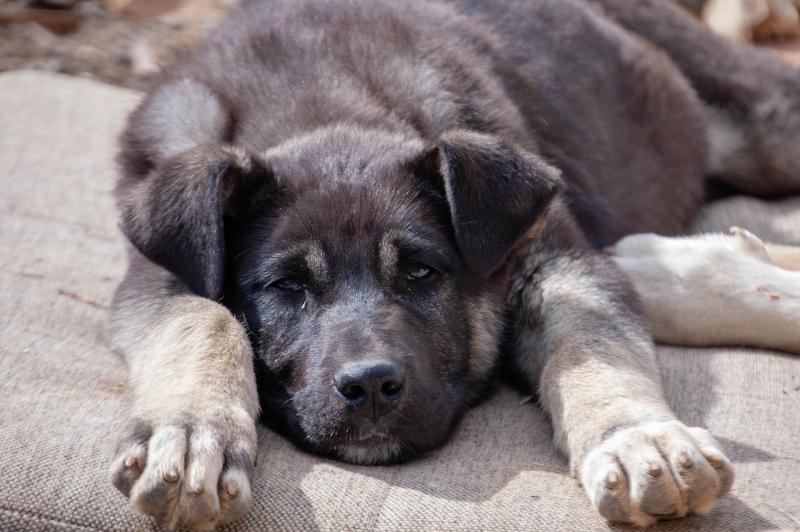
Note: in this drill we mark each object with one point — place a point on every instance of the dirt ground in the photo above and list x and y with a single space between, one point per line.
123 42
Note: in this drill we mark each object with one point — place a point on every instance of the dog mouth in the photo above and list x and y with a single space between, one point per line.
373 438
373 448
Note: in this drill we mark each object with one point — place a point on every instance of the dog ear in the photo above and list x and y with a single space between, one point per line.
495 192
175 216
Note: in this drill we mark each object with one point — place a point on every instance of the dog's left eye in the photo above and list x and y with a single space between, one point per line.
289 284
417 272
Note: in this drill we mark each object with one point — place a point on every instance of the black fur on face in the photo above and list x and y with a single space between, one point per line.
357 265
366 265
331 283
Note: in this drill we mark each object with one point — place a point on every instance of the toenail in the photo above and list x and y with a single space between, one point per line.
171 476
715 461
612 480
655 470
685 461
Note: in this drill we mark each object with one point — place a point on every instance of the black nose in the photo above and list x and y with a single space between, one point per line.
373 386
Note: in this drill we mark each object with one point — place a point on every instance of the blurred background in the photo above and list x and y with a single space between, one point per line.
127 42
122 42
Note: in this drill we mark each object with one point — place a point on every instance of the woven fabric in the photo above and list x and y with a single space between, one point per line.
60 385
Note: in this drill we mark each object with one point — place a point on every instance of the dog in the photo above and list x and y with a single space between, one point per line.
350 215
715 289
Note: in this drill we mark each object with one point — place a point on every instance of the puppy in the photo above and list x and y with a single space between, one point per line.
340 211
716 289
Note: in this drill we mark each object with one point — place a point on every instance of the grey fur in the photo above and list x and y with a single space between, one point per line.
318 123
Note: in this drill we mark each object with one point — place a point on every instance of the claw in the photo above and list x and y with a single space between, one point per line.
230 490
655 470
612 480
171 476
714 459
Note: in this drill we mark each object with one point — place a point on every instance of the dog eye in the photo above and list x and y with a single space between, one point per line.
417 272
289 284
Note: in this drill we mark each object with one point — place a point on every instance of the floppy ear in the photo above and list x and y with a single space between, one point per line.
175 215
495 193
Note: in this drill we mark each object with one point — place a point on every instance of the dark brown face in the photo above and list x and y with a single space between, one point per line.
368 269
358 304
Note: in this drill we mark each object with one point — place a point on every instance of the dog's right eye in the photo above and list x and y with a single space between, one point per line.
288 284
418 272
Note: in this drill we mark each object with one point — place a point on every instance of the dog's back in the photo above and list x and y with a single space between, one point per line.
632 150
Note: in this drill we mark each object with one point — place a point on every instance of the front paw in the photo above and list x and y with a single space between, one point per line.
188 470
657 470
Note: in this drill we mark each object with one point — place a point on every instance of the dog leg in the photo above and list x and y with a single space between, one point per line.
579 335
752 95
188 453
715 289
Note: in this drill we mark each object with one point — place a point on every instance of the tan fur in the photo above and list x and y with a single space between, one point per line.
486 325
620 393
192 400
748 20
783 21
600 385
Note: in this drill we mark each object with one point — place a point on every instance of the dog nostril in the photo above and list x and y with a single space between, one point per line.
391 388
353 392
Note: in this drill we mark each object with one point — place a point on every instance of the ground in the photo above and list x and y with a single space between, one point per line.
122 42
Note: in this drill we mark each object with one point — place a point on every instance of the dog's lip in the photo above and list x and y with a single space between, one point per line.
377 437
367 440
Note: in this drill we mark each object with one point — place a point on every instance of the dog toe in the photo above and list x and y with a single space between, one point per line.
655 471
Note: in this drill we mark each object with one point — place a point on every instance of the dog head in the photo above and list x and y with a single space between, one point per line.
368 267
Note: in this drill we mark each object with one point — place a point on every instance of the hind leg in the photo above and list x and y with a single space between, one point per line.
752 96
713 289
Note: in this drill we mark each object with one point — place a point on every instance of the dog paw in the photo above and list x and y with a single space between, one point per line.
657 470
192 471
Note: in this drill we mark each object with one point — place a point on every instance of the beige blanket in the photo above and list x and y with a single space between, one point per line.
61 257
